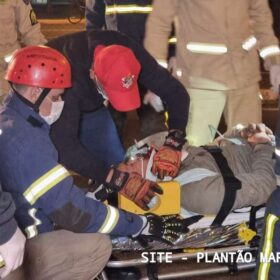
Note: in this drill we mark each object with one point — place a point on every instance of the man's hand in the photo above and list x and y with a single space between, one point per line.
257 133
131 185
167 160
12 252
166 228
154 100
269 94
274 76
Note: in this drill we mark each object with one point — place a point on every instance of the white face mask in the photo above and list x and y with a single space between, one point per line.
55 113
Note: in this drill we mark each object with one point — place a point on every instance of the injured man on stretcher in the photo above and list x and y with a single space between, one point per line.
235 171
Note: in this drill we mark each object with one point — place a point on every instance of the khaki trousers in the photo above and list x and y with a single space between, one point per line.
64 255
207 106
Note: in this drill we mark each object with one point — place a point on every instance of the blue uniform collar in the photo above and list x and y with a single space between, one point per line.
13 102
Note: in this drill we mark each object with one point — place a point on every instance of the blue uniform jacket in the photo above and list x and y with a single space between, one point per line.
43 189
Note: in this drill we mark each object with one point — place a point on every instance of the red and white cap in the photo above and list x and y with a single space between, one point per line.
117 69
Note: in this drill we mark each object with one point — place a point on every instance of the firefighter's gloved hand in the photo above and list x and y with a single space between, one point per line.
154 100
166 228
12 252
131 185
167 160
274 75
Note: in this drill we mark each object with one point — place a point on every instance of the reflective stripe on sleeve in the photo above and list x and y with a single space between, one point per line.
206 48
128 9
267 247
162 63
172 40
269 51
249 43
31 231
45 183
110 221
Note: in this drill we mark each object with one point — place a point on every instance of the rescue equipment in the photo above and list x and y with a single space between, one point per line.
160 205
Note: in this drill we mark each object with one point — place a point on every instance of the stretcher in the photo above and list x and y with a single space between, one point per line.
229 247
237 236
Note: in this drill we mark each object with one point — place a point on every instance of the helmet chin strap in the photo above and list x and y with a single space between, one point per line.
40 99
35 106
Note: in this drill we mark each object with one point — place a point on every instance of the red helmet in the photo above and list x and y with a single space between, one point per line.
39 66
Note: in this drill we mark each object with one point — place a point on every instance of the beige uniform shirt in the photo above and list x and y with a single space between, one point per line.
205 189
217 40
253 166
18 27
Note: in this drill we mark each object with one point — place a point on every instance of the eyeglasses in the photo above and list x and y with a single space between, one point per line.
100 88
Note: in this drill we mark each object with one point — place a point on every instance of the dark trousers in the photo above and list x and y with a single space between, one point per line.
275 8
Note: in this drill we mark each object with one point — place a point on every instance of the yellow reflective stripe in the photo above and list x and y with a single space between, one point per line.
249 43
45 183
162 62
110 221
2 262
172 40
267 246
32 231
206 48
32 213
269 51
127 9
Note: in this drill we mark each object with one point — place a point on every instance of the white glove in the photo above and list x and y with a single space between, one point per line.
274 75
154 100
172 65
12 252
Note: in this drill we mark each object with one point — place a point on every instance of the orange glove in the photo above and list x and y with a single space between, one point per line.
167 160
131 185
140 191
